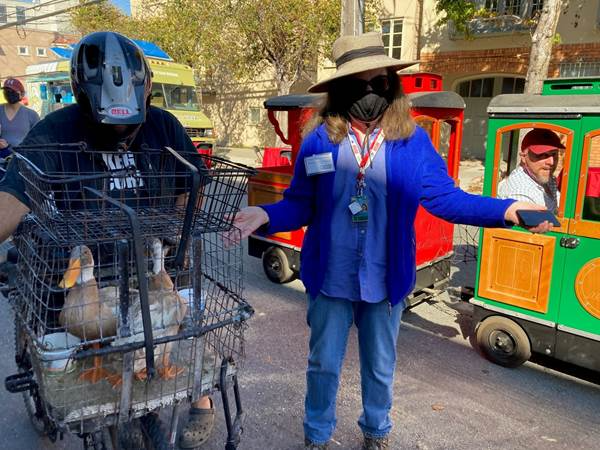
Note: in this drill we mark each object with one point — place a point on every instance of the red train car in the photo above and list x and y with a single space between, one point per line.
439 112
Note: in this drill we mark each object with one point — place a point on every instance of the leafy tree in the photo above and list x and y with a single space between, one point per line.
229 42
288 37
244 38
458 12
101 16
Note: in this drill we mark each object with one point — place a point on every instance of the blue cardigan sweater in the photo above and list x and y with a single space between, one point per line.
416 174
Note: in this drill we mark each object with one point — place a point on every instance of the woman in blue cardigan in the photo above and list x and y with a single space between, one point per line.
363 169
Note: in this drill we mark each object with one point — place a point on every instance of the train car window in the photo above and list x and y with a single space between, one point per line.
527 176
591 200
427 124
440 133
445 136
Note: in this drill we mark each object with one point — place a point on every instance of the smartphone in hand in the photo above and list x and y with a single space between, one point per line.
531 218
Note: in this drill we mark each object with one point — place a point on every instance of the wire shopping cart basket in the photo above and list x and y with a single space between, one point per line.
128 288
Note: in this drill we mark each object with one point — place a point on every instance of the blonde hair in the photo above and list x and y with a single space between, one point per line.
396 122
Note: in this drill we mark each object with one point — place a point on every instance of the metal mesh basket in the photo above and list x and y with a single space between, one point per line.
104 306
88 363
226 185
78 194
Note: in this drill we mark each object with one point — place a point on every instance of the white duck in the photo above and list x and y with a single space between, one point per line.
167 310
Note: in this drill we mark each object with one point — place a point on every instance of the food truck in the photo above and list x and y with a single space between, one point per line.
173 88
439 112
541 292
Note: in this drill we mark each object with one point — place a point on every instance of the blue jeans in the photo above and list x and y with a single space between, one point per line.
330 320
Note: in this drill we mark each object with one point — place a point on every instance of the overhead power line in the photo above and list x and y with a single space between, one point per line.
36 7
51 14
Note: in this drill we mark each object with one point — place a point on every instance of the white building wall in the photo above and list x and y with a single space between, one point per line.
60 23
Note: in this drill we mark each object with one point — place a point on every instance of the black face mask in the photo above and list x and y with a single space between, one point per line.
365 100
368 107
11 96
107 138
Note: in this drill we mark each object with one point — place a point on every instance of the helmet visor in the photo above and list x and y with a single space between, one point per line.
90 57
135 62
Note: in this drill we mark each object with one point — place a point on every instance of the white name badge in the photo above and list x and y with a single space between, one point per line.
355 208
318 164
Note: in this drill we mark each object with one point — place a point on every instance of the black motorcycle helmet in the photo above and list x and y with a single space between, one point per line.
111 79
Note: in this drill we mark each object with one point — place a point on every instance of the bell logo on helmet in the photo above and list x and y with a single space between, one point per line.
119 111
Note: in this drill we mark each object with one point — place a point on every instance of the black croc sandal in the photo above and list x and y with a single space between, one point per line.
198 428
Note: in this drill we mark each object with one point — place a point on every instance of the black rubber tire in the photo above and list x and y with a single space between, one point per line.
276 266
130 436
145 433
99 440
503 341
37 417
155 435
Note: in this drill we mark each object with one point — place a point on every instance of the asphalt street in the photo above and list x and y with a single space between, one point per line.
446 395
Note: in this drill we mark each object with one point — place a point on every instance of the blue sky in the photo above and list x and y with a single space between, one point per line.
123 4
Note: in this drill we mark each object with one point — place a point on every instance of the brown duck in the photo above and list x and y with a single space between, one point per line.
89 313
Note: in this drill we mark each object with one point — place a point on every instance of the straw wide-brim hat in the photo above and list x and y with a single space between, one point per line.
355 54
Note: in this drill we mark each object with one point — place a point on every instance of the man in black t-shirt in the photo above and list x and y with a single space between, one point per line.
112 83
69 126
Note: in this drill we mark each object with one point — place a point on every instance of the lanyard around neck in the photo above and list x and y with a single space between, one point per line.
361 159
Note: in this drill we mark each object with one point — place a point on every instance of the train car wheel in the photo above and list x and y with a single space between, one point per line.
503 341
276 266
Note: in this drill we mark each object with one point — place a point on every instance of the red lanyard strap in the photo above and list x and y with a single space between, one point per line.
362 160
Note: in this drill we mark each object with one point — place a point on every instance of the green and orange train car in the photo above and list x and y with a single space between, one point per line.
541 293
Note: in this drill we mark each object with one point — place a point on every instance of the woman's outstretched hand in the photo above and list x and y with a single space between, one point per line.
511 216
248 219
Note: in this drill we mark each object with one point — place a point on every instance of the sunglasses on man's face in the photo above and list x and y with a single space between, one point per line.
379 84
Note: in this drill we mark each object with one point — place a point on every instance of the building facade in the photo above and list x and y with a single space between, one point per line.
12 11
29 43
492 60
495 58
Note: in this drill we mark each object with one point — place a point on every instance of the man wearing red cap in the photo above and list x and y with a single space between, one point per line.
15 119
534 180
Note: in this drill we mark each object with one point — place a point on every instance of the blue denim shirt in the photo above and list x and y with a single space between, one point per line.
358 257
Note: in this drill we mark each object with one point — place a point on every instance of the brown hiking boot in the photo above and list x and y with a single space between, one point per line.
310 445
373 443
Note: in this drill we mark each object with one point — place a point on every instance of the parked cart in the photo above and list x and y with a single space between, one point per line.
439 112
127 301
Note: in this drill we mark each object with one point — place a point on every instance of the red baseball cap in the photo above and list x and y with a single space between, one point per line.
541 140
15 85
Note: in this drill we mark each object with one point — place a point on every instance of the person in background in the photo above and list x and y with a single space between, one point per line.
363 170
15 119
534 180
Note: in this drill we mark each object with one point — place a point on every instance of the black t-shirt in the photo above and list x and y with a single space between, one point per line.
68 125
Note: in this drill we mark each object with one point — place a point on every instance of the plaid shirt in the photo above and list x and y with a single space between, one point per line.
521 186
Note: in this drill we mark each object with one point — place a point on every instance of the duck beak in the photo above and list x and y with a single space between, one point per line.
71 275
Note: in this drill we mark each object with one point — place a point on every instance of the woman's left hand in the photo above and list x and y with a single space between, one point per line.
511 216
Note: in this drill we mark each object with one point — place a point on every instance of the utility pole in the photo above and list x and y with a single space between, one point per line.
353 17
